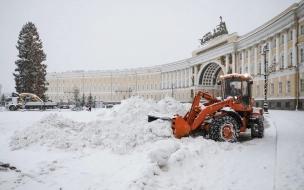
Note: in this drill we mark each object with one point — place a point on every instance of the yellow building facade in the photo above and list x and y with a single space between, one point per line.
228 53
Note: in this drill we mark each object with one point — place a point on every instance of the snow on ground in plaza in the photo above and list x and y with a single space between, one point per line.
118 149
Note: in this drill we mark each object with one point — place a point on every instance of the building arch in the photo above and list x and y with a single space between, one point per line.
206 73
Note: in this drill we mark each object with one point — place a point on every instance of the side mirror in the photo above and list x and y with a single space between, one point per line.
250 82
219 82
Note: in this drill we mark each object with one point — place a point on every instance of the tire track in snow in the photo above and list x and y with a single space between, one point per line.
246 164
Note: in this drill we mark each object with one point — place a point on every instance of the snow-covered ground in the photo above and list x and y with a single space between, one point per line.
118 149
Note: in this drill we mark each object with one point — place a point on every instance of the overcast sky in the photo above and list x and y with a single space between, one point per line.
105 35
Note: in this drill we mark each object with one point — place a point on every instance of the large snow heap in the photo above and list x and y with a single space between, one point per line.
123 128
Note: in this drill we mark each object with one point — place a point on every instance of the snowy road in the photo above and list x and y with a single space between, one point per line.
290 149
152 162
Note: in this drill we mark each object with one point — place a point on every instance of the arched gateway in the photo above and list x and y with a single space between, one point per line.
208 75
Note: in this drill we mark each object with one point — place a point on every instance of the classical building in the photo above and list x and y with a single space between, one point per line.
220 53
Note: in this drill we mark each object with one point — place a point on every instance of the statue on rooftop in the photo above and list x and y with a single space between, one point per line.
220 29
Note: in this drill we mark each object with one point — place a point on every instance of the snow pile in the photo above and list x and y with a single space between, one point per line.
52 130
171 161
123 128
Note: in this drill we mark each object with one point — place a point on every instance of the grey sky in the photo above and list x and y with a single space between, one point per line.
103 35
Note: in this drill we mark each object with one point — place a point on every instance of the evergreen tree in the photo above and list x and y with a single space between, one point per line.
83 102
30 72
75 95
90 99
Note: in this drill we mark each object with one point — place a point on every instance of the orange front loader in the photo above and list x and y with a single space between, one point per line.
224 119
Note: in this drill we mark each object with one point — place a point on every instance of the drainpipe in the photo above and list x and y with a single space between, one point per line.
296 57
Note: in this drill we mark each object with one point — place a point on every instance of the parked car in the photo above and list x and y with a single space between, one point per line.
109 106
64 107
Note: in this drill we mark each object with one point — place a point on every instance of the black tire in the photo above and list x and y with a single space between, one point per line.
257 128
223 128
12 108
198 132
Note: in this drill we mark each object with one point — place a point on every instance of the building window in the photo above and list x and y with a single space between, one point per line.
260 49
240 70
282 37
246 68
271 88
287 104
282 61
275 43
260 67
291 35
278 104
290 58
246 54
240 56
258 91
252 52
301 29
252 68
301 55
280 87
288 86
302 85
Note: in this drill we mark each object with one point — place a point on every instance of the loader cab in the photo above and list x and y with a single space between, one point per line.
239 88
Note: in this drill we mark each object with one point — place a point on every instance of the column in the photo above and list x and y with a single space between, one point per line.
195 73
249 64
162 80
233 62
269 52
227 64
278 51
263 62
255 59
177 77
285 48
294 48
243 59
190 76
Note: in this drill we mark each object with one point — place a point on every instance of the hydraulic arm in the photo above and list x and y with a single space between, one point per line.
183 125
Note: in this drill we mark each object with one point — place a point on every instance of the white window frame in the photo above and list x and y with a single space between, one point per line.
288 87
280 88
272 88
301 85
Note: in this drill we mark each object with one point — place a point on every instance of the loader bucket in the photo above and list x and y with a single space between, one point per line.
180 127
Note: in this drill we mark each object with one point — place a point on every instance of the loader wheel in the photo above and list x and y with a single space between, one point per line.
223 128
12 108
257 129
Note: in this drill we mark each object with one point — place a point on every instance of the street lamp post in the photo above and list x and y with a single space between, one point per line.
265 107
213 82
